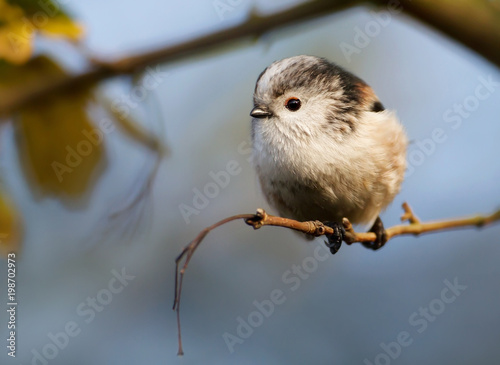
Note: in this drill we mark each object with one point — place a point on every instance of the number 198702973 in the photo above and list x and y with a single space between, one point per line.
11 277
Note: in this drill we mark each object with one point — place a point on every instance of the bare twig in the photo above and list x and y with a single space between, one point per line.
186 254
317 228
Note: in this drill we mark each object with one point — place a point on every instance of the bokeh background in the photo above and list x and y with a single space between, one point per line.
349 303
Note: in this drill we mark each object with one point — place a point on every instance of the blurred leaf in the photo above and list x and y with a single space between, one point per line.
50 18
21 19
10 227
60 149
16 34
62 26
58 146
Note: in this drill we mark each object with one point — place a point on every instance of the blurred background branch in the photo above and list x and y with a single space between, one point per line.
476 24
458 20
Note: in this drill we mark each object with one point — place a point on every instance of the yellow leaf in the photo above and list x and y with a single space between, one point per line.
14 47
62 26
19 25
62 152
10 227
16 34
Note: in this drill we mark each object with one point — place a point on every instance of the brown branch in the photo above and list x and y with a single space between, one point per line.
255 26
481 35
317 228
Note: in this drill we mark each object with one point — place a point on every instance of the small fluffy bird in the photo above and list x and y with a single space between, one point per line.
324 147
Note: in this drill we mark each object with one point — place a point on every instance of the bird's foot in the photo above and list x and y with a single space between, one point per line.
379 230
335 240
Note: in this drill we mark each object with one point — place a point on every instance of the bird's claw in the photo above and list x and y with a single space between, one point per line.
335 239
379 230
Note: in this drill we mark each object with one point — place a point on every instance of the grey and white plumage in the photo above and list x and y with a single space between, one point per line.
340 155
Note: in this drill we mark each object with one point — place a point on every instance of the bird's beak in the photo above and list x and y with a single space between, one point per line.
260 112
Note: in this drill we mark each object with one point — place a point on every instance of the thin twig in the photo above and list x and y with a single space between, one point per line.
317 228
186 254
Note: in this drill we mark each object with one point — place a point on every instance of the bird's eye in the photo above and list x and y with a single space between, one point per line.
292 104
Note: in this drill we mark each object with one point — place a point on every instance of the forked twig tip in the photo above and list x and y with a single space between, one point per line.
408 215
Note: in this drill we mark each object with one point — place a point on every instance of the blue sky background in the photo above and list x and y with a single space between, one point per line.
351 302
